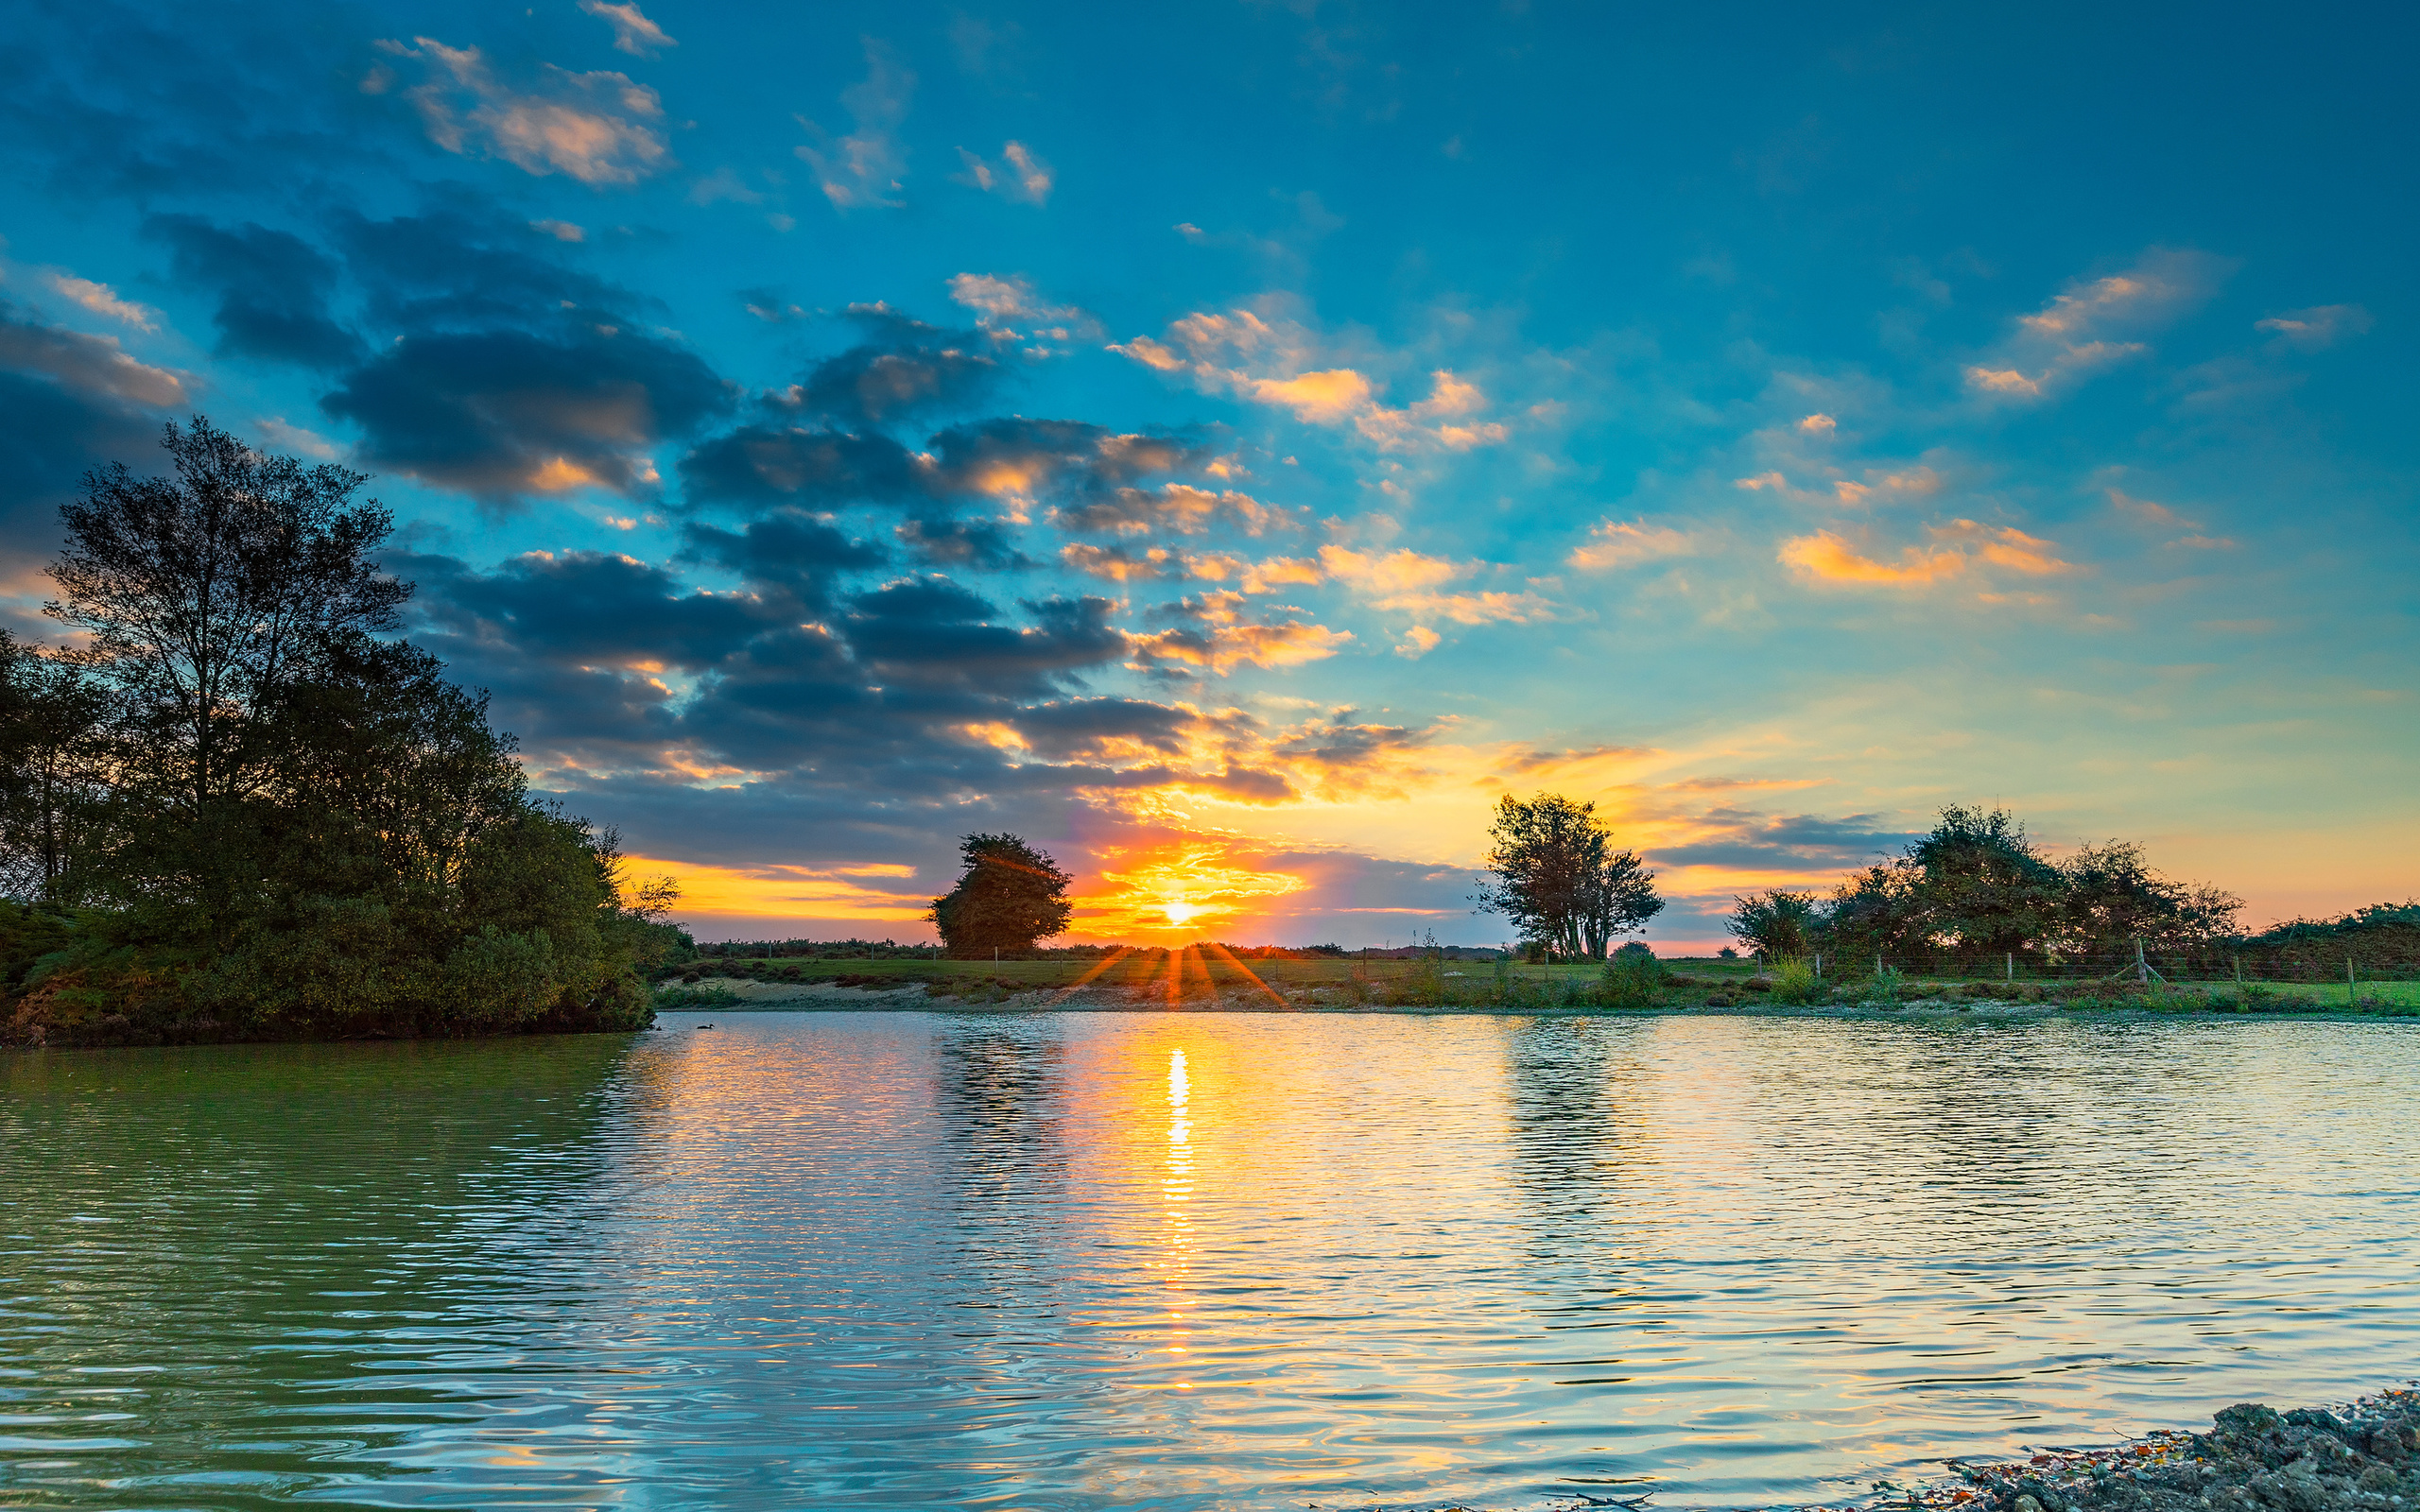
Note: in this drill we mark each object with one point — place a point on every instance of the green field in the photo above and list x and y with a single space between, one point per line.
1203 973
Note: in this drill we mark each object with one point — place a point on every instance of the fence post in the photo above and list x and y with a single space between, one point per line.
2011 966
2142 968
2348 981
1819 965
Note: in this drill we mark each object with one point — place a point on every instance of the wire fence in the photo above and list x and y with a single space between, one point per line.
2144 966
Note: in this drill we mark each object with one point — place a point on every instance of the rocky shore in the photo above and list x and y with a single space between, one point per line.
2364 1457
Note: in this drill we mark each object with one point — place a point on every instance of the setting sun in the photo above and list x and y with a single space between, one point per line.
1191 887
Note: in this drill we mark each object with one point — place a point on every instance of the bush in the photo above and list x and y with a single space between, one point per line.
674 998
1793 981
1634 978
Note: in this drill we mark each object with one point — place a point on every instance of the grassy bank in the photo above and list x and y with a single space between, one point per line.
1197 979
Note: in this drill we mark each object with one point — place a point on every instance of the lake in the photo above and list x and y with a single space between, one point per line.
1182 1261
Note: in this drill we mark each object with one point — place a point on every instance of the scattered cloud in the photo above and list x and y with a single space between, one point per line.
1822 425
1828 558
866 167
1409 582
1011 312
103 301
2077 332
1019 175
2322 325
1628 543
1418 642
632 32
561 231
274 289
94 365
598 128
1272 362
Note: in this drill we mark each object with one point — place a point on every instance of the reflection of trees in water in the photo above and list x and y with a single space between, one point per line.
236 1231
1577 1117
999 1087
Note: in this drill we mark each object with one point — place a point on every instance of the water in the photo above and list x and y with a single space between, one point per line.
1179 1261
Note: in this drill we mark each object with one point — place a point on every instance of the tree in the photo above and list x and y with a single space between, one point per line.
1559 879
1009 896
2111 897
51 767
1781 924
1980 885
295 825
211 594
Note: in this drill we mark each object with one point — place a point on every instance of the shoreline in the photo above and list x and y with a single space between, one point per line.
762 997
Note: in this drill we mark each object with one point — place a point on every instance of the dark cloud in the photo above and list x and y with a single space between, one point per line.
1797 842
465 265
68 404
584 607
503 414
789 551
983 543
1056 456
1085 727
817 468
930 630
274 289
905 368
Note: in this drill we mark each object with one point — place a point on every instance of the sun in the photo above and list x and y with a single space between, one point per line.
1181 911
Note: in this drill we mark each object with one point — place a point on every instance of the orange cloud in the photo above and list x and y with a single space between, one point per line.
1627 544
1192 889
1826 556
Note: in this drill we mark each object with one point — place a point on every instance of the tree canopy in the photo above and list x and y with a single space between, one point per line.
1009 897
1559 880
254 815
1976 886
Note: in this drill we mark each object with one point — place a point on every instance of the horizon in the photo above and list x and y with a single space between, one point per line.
828 435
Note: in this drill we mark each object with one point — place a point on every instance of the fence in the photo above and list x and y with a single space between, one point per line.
2143 965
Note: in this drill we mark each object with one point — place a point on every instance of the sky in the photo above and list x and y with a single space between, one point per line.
1231 444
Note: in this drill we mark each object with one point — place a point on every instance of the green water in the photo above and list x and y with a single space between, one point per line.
1184 1262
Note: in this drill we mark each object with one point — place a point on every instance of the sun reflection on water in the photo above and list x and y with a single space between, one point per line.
1176 1190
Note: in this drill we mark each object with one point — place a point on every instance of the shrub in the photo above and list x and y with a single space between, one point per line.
1634 978
1793 981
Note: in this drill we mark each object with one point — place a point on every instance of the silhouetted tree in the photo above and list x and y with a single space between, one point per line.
1009 896
1559 879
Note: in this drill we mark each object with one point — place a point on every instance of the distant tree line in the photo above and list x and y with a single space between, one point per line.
236 807
1977 888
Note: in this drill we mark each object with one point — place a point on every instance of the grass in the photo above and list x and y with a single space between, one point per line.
1198 976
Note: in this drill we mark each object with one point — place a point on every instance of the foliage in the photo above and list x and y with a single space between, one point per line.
52 764
672 999
1009 896
1634 978
1793 981
1975 887
1776 924
293 826
1560 881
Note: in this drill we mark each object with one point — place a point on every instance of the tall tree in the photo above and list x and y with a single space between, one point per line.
1780 924
52 766
1009 896
209 594
1559 879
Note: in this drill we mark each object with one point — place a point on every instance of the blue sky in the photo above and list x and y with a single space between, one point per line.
1230 444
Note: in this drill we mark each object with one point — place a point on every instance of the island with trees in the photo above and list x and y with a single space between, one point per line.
241 808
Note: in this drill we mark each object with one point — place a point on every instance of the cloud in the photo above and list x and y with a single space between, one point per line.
866 166
1822 425
2074 334
632 32
1417 642
1407 582
73 402
1002 304
600 127
1628 543
502 415
103 301
1222 648
94 367
788 553
1020 175
1177 507
561 231
273 289
2005 547
1828 558
1274 363
906 367
2322 325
